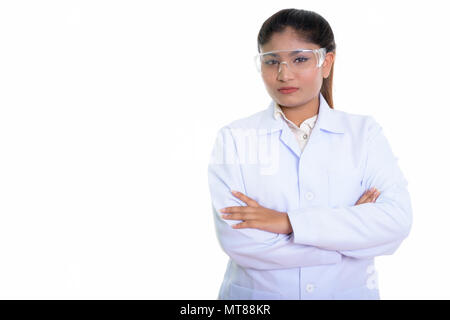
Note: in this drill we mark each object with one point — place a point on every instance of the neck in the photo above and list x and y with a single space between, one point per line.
300 113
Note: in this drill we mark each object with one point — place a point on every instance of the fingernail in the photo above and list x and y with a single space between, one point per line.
222 210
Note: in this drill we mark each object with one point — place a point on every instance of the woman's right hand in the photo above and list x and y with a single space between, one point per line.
370 195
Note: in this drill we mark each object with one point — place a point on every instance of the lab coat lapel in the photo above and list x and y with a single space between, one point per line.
328 122
272 124
288 138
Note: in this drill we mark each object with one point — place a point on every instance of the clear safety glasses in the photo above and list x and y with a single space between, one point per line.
298 60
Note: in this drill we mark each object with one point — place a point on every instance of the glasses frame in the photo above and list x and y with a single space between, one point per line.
319 53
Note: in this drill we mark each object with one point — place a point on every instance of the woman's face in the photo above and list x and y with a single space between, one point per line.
308 83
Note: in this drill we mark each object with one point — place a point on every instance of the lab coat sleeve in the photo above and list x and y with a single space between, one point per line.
252 248
380 250
368 229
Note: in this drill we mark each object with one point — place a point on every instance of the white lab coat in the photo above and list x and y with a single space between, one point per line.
330 254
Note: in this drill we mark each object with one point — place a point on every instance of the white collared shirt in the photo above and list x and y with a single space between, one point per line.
302 132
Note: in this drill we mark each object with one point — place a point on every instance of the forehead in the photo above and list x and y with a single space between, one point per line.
288 39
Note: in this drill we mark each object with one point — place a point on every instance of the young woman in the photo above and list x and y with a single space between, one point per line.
306 221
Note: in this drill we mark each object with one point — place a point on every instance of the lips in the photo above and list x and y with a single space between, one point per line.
287 89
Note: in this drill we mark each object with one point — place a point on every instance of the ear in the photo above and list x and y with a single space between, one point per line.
327 64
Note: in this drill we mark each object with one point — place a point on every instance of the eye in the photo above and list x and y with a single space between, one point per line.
270 62
301 59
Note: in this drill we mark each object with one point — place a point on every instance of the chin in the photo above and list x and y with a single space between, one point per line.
289 98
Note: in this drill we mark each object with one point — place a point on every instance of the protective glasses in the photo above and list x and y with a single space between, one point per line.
298 60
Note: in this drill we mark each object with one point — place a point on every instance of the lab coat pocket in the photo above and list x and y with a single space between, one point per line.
345 186
358 293
242 293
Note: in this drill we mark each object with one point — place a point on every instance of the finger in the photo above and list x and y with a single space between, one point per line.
249 201
375 196
234 216
236 209
240 216
244 224
366 196
239 225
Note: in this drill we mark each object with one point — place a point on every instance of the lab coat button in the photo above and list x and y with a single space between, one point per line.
310 287
309 195
305 136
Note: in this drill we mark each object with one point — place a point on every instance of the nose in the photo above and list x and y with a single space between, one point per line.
284 73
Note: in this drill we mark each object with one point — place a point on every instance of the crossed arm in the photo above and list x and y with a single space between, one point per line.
268 239
256 216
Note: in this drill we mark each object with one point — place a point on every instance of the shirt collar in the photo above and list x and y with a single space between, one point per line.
307 124
328 119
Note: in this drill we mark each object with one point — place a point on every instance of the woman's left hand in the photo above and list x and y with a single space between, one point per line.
256 216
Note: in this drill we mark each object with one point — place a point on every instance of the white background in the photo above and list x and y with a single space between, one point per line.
108 113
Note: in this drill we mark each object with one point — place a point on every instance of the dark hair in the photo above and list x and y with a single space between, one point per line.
311 27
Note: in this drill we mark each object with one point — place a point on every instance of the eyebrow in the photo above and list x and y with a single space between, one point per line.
292 53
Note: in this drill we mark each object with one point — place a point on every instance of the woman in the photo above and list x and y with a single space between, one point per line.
306 221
